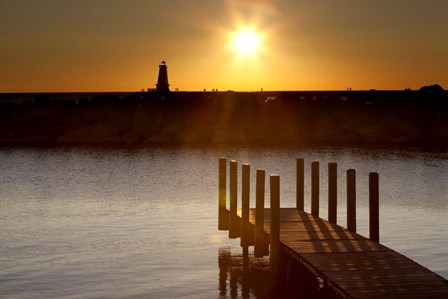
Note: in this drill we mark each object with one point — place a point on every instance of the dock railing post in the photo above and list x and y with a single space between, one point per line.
223 216
300 185
351 200
374 226
332 192
260 249
245 203
315 189
275 223
234 228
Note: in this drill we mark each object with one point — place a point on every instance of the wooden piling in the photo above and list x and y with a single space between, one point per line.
300 184
275 223
260 249
374 218
245 203
223 216
315 189
351 200
332 192
234 227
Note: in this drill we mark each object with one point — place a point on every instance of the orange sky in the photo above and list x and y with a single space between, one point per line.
115 45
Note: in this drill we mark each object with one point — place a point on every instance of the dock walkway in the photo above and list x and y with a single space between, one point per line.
351 265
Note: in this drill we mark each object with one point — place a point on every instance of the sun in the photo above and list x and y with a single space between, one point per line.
246 41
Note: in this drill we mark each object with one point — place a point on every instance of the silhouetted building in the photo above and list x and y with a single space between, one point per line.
162 81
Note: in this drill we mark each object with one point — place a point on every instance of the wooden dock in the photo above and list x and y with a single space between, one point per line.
351 265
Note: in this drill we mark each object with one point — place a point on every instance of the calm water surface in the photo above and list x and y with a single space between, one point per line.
141 223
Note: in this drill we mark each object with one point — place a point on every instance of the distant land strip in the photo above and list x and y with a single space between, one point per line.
290 118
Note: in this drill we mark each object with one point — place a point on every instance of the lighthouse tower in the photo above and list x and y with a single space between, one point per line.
162 81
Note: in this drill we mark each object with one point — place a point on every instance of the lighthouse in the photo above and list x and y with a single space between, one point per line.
162 81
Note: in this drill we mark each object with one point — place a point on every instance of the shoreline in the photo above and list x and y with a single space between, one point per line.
294 118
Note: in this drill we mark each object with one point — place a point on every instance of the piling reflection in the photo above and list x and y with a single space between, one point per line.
241 275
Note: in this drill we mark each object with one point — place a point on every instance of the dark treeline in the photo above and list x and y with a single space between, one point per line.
229 118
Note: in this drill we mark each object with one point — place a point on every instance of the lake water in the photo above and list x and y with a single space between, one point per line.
141 223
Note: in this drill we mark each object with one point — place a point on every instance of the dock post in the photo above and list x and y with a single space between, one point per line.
223 216
234 228
245 203
260 249
300 185
332 192
351 200
315 189
374 226
275 223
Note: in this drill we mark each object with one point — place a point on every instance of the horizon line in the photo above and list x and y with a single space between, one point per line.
213 91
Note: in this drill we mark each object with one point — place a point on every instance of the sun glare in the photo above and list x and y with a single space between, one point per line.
246 41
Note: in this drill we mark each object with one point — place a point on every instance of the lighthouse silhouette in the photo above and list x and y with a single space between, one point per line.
162 81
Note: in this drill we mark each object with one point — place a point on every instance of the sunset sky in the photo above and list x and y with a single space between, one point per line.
116 45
